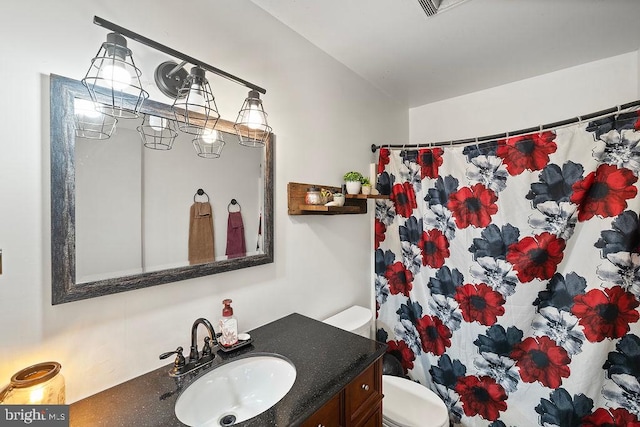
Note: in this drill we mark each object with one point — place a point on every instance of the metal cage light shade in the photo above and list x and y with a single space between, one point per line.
90 123
209 144
113 80
195 106
251 125
157 133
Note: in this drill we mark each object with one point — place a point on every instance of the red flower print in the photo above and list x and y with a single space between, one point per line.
481 396
383 159
434 335
526 152
618 417
400 279
604 192
536 257
473 206
435 248
403 352
605 314
430 161
480 303
541 359
381 229
404 199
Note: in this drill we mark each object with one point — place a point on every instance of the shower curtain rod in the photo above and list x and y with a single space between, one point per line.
617 109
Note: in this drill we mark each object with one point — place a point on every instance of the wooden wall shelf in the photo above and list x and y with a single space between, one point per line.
354 203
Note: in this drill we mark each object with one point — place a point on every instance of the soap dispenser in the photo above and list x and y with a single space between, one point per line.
228 325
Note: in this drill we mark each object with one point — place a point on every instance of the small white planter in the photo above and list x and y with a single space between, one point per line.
366 189
353 187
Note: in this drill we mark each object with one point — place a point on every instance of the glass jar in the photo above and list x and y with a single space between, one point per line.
313 196
38 384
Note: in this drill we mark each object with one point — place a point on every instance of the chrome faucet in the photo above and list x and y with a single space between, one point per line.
196 359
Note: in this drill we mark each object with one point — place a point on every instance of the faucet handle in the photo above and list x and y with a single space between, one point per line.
179 363
206 349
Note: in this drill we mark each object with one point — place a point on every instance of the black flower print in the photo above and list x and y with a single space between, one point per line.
484 149
561 410
560 326
500 368
497 273
497 423
447 372
383 260
382 335
620 148
441 218
623 237
385 183
556 218
494 241
561 291
411 231
623 390
442 189
555 183
488 171
411 257
446 309
410 173
499 341
623 269
626 358
385 211
446 282
381 289
618 122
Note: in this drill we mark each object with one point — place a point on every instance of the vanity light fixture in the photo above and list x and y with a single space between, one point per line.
195 106
251 125
91 123
113 80
209 144
157 133
114 84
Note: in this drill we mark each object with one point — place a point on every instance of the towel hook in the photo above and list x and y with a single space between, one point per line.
233 202
200 192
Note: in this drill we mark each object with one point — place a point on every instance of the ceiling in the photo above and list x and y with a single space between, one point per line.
468 46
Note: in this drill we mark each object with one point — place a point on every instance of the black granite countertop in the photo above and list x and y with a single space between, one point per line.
326 360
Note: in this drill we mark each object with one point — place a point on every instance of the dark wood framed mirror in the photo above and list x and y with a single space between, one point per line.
76 211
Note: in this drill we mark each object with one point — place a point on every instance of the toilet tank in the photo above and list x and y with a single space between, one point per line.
354 319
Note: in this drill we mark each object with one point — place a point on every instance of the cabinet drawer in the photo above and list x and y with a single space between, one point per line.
330 415
361 388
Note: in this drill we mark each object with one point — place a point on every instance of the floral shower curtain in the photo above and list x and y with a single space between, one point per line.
508 274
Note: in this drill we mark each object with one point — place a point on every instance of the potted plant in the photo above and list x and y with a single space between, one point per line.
353 180
366 185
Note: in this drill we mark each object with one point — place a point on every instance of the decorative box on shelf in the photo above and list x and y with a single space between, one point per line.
354 203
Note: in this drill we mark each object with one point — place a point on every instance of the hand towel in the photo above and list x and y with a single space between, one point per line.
235 236
201 233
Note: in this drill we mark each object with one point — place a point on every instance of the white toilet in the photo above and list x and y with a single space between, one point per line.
405 403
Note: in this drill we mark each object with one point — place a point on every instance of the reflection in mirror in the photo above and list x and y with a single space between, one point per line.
122 213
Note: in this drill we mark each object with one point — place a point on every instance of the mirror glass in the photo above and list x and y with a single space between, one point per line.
125 216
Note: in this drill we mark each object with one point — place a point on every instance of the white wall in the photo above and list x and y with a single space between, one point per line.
325 119
528 103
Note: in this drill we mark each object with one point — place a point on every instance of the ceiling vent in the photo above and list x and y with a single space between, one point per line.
431 7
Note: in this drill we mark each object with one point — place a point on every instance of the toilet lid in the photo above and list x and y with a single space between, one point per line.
408 403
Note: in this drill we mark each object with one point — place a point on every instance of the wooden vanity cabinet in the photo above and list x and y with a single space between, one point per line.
359 404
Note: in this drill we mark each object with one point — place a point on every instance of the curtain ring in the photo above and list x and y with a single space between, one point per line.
618 112
579 119
540 131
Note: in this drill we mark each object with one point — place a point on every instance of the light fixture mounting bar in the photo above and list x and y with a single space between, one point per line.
172 52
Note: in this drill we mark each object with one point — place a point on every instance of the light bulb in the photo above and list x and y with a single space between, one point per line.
254 117
195 99
158 123
209 136
36 395
115 75
86 108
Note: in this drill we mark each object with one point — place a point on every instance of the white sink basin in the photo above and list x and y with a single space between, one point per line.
236 391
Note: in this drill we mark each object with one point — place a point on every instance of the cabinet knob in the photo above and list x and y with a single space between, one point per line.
365 387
